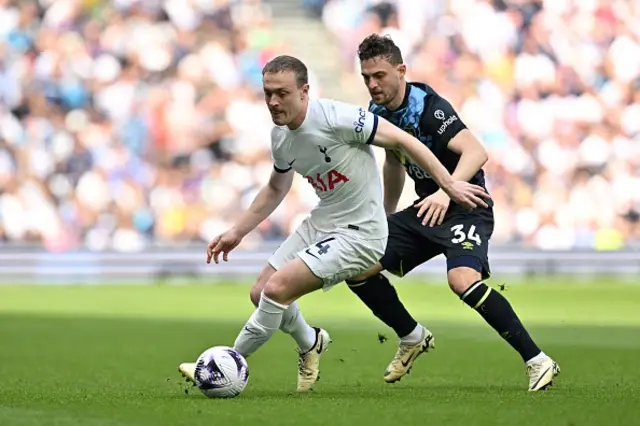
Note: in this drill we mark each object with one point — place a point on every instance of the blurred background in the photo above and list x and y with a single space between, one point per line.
134 131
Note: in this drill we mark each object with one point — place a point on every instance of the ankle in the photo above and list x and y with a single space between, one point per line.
415 336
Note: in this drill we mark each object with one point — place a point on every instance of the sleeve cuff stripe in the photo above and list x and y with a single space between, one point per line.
372 136
281 170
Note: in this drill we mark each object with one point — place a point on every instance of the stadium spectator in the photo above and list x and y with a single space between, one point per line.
553 89
130 122
136 122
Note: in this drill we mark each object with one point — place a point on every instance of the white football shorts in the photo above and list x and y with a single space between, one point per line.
333 257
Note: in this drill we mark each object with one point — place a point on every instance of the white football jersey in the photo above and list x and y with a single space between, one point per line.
331 149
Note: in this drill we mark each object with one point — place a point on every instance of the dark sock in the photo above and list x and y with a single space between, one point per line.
381 297
497 311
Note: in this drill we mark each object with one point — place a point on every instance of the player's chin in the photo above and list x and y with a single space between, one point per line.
279 119
379 99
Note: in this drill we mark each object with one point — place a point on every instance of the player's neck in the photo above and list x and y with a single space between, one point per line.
399 98
297 122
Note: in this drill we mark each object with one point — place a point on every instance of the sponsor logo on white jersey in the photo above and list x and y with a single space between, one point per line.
359 123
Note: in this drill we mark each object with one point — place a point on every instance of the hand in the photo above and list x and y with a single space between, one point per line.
435 206
223 244
468 195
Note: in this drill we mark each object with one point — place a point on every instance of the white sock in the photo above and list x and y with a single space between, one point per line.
264 321
293 323
414 337
538 357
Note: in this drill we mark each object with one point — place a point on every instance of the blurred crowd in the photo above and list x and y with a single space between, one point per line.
125 123
128 122
552 87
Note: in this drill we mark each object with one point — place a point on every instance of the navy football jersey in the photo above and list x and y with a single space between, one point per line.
432 120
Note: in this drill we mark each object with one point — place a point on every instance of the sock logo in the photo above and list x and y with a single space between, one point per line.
250 331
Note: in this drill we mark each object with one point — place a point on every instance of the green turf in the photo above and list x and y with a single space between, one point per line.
107 356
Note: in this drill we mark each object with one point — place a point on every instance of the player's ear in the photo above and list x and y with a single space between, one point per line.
402 70
304 90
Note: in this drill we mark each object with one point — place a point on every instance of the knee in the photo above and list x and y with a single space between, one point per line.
461 278
276 290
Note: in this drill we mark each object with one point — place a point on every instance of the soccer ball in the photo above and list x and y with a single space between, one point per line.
221 372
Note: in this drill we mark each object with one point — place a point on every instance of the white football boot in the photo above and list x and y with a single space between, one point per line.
188 371
406 355
541 373
309 362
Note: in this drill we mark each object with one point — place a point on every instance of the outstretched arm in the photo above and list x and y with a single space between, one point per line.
391 137
358 126
269 197
267 200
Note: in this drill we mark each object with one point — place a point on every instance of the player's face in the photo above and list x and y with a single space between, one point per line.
283 97
383 79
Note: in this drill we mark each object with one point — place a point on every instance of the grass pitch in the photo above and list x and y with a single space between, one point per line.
107 355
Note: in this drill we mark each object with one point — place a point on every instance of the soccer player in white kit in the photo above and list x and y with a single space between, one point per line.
328 143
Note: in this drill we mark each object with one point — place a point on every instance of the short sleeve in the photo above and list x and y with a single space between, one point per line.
352 124
440 120
280 164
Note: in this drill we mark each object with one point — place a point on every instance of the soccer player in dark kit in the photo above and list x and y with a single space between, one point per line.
434 225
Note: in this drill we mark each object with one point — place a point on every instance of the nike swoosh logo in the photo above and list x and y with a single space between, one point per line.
424 347
308 251
540 378
320 343
406 364
248 330
291 163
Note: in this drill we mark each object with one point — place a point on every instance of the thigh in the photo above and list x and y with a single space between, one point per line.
302 237
341 256
410 243
466 236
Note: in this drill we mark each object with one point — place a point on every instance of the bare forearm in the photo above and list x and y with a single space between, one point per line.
393 177
429 163
472 155
470 162
468 165
392 138
262 206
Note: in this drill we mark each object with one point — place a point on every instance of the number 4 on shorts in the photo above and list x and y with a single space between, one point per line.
322 246
460 236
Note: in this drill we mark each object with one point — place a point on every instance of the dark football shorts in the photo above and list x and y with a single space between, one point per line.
463 237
